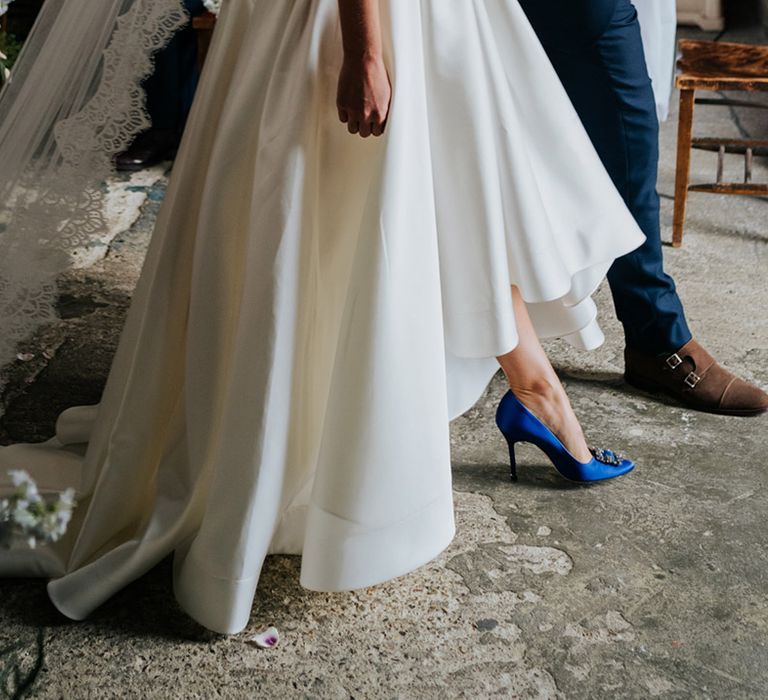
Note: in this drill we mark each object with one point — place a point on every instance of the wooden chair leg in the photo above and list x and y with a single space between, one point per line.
203 44
684 138
204 25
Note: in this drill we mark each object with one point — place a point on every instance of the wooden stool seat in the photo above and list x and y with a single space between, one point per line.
715 66
705 63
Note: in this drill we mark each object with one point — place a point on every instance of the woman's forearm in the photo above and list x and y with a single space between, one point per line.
360 29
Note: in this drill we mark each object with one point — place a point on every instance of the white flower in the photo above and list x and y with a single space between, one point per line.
28 515
213 6
18 476
5 74
23 518
26 488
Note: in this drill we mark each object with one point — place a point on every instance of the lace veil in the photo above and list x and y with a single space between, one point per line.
74 100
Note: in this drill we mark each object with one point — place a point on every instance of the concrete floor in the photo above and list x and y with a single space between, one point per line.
650 586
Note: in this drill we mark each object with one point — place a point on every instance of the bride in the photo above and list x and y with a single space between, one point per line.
376 203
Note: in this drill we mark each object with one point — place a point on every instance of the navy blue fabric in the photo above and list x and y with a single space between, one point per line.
596 48
171 88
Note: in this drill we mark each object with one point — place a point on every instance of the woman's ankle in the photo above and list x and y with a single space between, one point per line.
547 400
539 389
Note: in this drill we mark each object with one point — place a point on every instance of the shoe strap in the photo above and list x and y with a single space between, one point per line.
677 360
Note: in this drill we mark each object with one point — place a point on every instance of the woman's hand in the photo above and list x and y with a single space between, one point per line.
364 95
364 90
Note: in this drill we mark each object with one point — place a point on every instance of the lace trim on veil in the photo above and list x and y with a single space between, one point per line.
57 202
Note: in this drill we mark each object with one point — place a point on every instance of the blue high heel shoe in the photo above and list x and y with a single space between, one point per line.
518 424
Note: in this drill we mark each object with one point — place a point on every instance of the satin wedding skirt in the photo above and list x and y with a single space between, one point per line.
314 308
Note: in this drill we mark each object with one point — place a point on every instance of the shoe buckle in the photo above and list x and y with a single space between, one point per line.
674 361
692 380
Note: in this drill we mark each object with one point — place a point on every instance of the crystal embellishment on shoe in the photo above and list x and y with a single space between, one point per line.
607 456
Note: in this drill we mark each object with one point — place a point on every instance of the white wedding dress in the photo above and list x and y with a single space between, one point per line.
658 24
314 308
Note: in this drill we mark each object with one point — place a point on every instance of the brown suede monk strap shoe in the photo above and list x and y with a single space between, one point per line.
693 377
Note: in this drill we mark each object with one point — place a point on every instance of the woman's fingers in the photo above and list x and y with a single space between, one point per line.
365 129
378 126
365 126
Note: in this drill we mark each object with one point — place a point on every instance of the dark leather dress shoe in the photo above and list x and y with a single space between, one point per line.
693 377
148 148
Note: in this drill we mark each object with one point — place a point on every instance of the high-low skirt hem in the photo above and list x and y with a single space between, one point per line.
314 307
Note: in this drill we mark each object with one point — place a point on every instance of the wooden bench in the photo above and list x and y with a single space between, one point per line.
716 66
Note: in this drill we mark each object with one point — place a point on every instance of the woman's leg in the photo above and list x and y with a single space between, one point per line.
535 384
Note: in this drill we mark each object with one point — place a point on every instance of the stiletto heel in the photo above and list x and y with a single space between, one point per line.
512 462
518 424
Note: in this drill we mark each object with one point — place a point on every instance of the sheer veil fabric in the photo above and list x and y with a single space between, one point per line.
314 308
74 100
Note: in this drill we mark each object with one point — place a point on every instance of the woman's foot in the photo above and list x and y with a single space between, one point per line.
549 403
534 382
518 424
